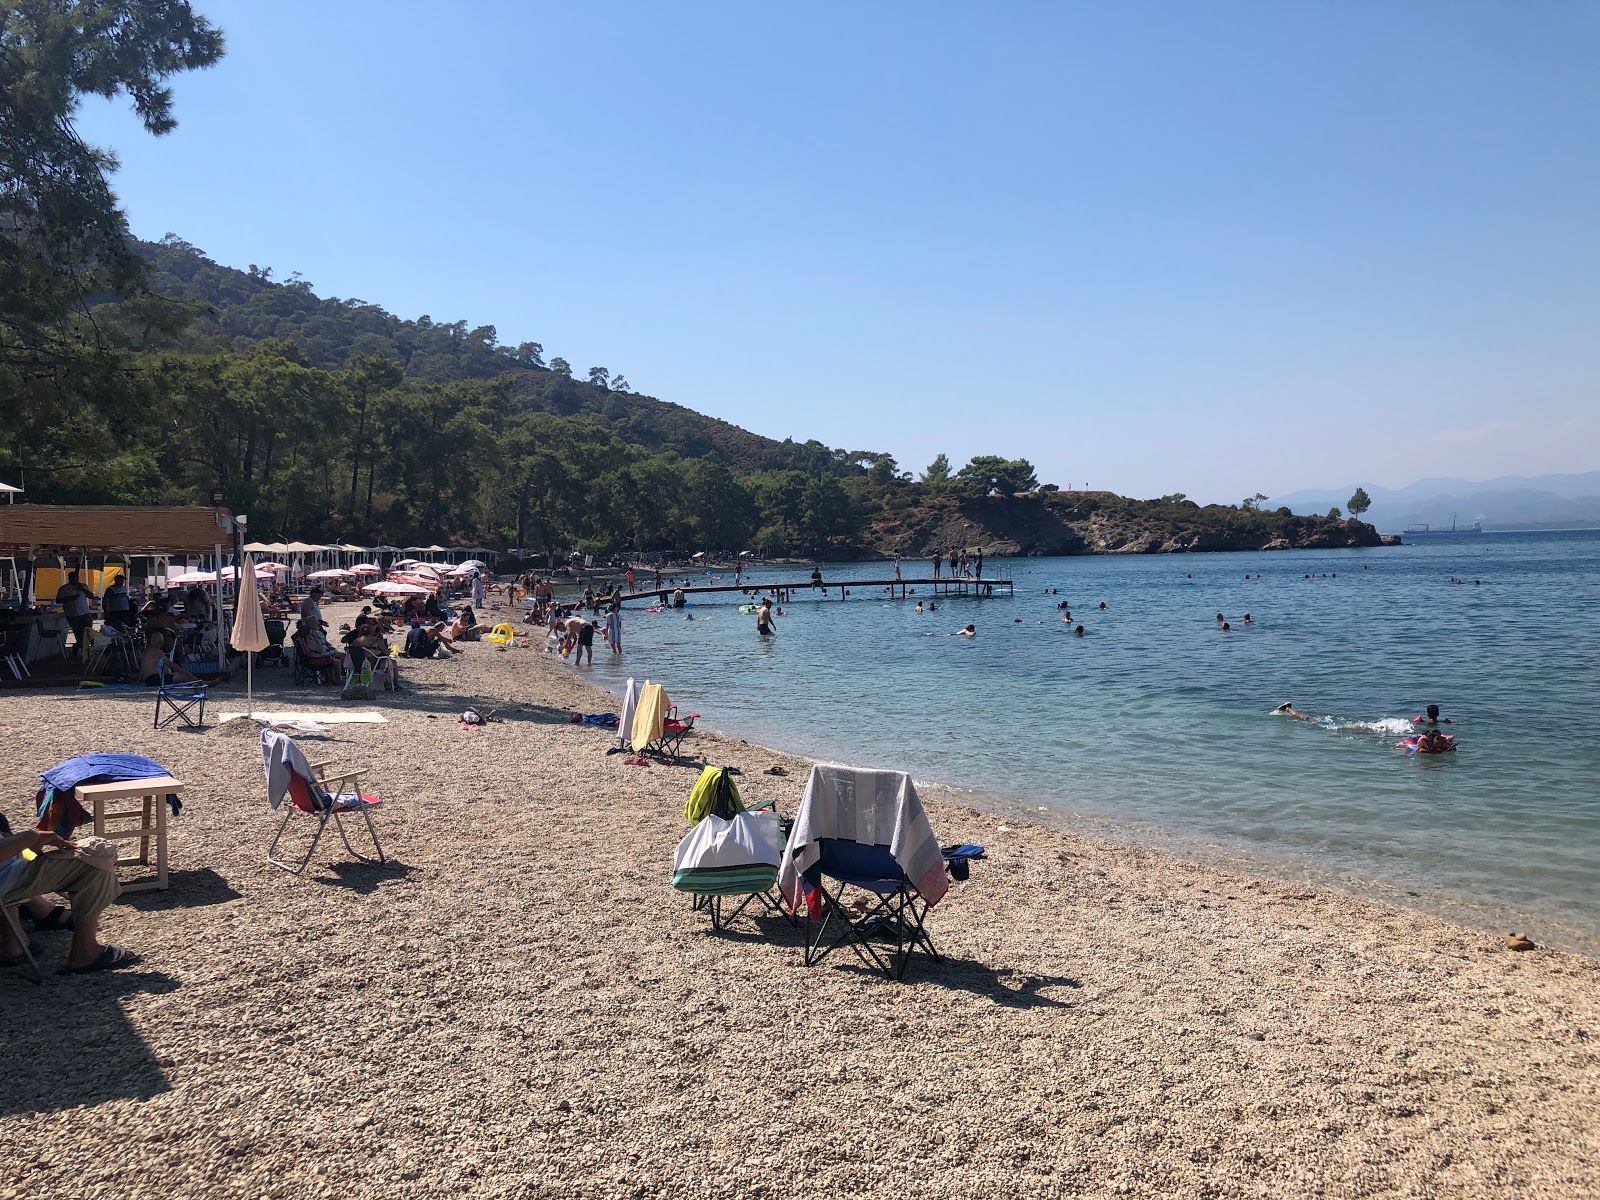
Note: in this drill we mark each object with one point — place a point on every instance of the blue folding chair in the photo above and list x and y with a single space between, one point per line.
897 915
184 702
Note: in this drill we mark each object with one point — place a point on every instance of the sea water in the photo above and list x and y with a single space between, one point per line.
1157 726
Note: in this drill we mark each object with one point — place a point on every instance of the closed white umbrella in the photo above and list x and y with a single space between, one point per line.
249 631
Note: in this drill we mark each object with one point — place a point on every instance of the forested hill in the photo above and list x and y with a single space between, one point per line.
145 373
237 309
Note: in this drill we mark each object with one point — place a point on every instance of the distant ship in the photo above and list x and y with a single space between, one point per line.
1475 527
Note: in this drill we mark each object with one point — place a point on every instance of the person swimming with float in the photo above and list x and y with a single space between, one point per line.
1431 717
1434 741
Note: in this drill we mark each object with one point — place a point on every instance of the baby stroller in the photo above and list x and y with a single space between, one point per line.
274 655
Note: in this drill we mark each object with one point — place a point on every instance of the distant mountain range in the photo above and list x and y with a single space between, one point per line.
1509 502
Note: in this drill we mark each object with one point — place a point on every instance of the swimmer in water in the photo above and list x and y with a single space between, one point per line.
1431 742
1288 709
764 625
1102 606
969 631
918 607
1247 620
1432 717
1226 628
1219 618
1078 632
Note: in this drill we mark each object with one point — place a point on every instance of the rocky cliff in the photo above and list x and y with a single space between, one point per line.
1050 523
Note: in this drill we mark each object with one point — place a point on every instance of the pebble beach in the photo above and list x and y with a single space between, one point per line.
518 1004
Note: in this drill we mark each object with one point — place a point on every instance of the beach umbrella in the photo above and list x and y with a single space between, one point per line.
261 572
190 577
272 568
366 569
396 588
249 634
330 573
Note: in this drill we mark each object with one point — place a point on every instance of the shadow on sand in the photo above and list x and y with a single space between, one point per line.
68 1042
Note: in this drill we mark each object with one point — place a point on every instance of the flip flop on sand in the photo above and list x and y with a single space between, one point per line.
111 957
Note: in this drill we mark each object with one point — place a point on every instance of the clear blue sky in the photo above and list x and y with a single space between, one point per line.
1202 247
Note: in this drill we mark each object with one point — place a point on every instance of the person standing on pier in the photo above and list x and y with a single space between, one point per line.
937 558
897 568
978 572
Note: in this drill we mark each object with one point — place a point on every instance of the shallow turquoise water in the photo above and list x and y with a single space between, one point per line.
1157 726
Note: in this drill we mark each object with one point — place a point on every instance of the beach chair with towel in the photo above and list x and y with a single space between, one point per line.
731 852
864 831
315 791
656 727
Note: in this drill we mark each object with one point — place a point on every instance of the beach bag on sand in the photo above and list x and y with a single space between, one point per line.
358 686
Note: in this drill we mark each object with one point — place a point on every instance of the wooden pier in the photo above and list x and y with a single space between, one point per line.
788 592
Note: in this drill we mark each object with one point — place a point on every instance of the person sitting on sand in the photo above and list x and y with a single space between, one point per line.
57 866
1288 709
465 627
157 652
1432 717
424 641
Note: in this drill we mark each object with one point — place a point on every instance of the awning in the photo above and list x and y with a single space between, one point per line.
112 529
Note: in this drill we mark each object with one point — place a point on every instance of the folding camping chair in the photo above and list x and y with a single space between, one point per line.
185 703
14 923
11 653
655 727
866 831
315 791
730 852
10 915
312 666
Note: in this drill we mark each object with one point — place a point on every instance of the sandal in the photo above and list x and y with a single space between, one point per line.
111 957
59 917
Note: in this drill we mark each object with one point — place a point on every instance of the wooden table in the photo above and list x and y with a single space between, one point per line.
150 810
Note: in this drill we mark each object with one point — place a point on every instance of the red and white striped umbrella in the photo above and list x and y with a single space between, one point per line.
389 587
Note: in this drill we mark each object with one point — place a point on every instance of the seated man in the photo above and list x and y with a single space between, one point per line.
158 651
422 641
57 868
